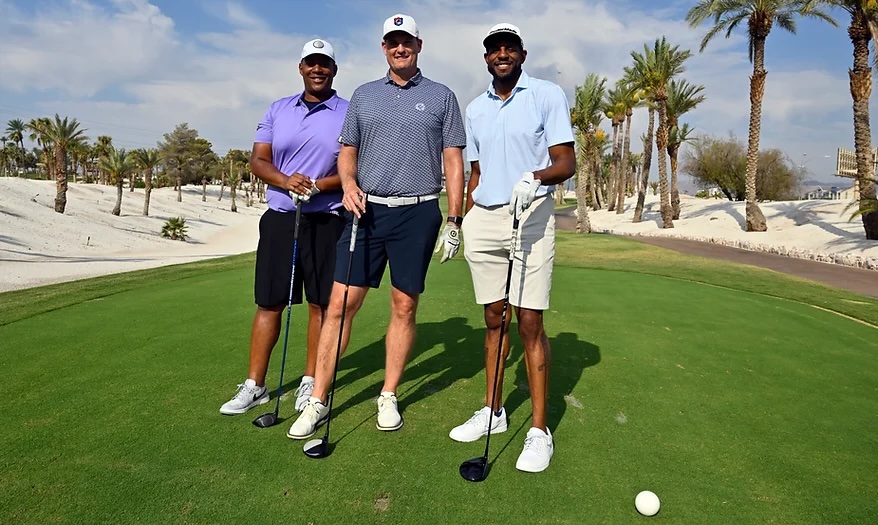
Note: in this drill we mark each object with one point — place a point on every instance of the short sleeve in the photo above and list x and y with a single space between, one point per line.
453 133
265 128
472 143
556 115
350 130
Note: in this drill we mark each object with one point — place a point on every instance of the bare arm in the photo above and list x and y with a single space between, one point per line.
332 182
474 176
353 200
262 167
453 161
563 165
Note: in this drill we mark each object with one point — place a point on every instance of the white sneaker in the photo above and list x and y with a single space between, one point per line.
313 415
248 396
388 413
306 388
538 450
477 426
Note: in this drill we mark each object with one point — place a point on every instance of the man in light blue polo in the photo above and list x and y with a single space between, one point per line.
520 144
399 133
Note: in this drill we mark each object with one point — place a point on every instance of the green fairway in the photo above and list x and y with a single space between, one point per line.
719 387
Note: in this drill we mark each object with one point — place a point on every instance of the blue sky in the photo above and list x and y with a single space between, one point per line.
133 69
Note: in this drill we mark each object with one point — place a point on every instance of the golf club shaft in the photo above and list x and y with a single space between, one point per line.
344 307
502 330
283 359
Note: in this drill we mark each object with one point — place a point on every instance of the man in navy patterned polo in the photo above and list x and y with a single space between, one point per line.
398 133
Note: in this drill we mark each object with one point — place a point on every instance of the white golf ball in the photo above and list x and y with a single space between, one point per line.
647 503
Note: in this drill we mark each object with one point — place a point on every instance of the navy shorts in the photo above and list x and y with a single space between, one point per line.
403 236
315 260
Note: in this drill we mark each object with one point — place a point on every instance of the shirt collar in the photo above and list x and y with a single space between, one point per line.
523 83
331 102
414 81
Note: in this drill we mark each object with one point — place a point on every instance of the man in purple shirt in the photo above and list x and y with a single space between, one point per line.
295 150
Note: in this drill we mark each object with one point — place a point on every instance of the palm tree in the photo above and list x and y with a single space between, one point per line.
683 97
102 150
614 109
38 128
864 14
586 117
679 134
15 129
147 160
64 135
760 16
655 69
117 165
639 76
233 179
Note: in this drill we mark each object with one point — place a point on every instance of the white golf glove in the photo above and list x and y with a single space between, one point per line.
450 240
523 194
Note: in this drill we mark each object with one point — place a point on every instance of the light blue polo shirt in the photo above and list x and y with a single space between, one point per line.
511 137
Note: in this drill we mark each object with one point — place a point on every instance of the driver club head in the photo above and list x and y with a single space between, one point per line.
266 420
316 448
475 469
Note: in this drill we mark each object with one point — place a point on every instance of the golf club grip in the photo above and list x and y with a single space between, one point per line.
513 245
354 229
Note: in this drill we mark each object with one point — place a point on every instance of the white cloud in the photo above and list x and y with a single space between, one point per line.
221 82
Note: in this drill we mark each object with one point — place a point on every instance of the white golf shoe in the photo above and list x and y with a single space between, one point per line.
388 412
477 426
313 415
538 450
248 396
306 388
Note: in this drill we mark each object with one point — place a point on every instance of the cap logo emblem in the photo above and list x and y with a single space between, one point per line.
318 44
397 21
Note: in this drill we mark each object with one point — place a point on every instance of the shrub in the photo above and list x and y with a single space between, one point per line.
175 228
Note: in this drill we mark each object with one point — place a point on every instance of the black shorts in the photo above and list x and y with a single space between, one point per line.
315 264
404 236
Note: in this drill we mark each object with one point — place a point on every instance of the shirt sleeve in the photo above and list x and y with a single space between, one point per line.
265 128
453 133
472 144
556 117
350 130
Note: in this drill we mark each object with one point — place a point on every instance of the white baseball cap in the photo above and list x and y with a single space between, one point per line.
318 47
401 22
506 28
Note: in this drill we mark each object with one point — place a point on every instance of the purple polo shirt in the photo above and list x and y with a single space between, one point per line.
303 141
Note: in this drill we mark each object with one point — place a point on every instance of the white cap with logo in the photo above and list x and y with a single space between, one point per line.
318 47
504 28
401 22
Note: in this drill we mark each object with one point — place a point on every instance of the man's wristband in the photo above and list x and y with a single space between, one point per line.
457 221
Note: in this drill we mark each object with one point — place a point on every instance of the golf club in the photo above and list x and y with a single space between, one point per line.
270 418
476 469
319 448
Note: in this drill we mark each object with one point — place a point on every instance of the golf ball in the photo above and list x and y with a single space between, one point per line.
647 503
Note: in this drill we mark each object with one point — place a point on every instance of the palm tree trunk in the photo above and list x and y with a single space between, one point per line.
147 190
179 187
661 141
861 90
119 186
646 166
232 188
252 179
203 189
598 180
675 194
623 168
132 181
611 189
755 218
583 225
60 179
592 183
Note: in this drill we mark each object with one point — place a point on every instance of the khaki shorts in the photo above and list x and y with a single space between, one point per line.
487 233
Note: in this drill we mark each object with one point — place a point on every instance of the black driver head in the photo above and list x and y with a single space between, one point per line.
475 469
266 420
317 448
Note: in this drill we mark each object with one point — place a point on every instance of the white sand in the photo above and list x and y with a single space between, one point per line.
39 246
815 230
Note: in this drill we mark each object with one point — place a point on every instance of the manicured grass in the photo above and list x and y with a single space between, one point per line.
715 385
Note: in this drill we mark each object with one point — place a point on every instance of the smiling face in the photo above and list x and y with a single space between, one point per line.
504 57
318 71
401 50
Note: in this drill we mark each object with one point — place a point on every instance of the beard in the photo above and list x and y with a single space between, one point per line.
513 72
